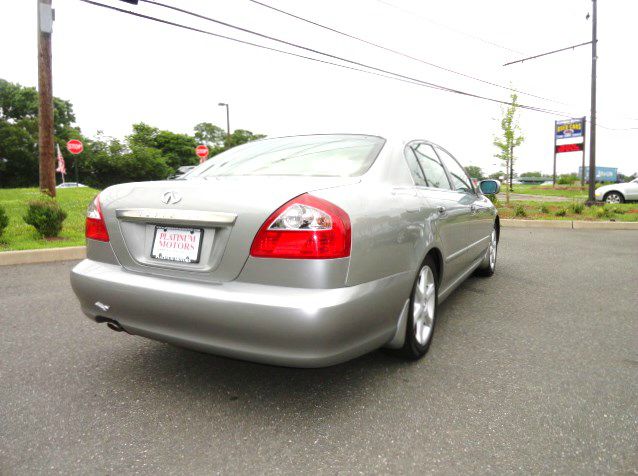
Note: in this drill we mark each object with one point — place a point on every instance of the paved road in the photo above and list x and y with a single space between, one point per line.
534 370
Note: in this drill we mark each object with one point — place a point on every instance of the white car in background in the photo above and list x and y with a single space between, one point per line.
618 192
70 185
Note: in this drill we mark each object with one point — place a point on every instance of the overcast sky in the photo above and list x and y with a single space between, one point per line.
117 69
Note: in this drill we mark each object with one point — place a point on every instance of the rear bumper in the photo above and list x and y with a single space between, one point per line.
270 324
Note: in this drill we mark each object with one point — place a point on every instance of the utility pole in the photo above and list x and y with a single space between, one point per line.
45 104
592 130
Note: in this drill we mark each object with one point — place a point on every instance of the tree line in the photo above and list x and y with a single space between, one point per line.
148 153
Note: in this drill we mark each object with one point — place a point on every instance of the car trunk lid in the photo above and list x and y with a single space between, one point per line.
223 213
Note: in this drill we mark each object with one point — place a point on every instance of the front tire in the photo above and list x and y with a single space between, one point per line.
614 197
423 307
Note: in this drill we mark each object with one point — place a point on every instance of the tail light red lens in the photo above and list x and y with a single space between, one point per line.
95 227
306 227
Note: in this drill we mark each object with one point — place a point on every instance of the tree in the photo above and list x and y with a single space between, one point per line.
241 136
531 174
475 171
19 133
496 175
510 138
176 149
210 134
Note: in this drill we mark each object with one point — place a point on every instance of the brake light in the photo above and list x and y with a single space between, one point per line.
306 227
95 227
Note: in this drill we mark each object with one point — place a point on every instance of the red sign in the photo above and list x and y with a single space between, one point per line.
569 148
201 151
74 146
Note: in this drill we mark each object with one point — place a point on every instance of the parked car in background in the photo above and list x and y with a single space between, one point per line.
301 251
181 171
618 192
70 185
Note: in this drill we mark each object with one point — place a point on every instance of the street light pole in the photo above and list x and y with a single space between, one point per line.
592 130
227 118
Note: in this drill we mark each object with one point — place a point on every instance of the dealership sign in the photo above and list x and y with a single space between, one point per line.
570 128
570 148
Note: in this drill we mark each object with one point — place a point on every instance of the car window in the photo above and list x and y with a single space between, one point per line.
415 168
435 175
316 155
460 179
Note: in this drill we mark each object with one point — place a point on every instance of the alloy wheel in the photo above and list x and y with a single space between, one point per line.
492 250
423 306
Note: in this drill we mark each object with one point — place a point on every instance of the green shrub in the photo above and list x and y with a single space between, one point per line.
4 220
566 179
519 211
561 212
544 209
45 216
493 199
617 210
577 208
603 212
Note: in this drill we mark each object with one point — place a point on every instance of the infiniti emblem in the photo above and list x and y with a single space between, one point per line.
171 197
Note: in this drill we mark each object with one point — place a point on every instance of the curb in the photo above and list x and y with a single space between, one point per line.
70 253
577 225
45 255
512 223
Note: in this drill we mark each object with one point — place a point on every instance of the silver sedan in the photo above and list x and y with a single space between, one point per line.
299 251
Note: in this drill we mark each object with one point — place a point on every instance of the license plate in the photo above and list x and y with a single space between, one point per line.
177 244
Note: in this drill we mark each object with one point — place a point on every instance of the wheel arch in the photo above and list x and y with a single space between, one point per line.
437 257
614 191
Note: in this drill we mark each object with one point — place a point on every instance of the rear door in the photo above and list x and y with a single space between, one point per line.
481 218
453 213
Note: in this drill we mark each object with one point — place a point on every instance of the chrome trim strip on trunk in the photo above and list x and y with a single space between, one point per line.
182 217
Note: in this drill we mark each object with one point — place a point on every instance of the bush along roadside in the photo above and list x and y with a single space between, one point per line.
46 216
4 221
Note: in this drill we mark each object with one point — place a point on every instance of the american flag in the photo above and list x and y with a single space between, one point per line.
61 165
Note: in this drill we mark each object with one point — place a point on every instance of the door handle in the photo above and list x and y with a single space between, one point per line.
441 210
473 209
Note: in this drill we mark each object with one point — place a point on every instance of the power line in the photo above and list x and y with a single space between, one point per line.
237 40
400 53
386 74
459 32
548 53
339 58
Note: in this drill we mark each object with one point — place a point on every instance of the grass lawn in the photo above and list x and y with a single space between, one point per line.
553 211
569 191
20 236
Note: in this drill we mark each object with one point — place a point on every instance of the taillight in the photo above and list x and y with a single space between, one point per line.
95 227
306 227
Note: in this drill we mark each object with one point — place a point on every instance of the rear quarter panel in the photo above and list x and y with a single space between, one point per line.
390 230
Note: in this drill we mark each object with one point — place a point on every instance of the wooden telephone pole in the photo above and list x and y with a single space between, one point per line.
45 105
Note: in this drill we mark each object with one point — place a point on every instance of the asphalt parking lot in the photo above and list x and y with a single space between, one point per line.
533 370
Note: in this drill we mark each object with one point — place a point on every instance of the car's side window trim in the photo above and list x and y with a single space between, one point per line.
415 144
409 146
469 179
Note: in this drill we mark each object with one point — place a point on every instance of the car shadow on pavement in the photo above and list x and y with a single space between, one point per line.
144 368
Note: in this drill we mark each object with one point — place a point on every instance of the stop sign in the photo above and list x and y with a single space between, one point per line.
74 146
201 151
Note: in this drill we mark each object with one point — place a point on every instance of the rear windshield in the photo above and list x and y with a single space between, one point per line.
318 155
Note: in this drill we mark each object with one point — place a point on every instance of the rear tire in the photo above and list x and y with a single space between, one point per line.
488 265
614 197
424 302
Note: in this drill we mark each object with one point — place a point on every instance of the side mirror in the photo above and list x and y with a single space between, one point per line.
489 187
